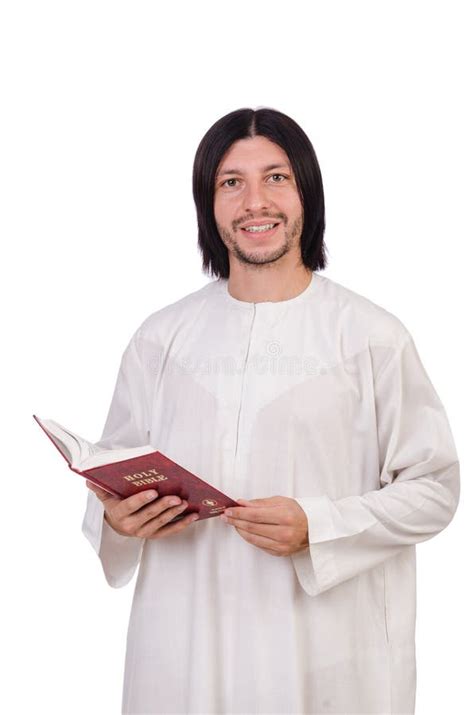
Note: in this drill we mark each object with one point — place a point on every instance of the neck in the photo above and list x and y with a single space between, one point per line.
271 284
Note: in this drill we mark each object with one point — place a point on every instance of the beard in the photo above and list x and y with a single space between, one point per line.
263 256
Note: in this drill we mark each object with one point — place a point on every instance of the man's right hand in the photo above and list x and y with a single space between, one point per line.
143 514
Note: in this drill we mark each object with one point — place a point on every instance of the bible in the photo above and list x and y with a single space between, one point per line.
129 470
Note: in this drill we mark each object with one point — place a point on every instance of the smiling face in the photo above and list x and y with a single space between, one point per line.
255 185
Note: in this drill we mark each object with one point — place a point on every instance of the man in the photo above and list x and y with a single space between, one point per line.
309 404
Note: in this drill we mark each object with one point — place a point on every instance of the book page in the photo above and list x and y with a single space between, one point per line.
109 456
62 447
82 454
73 447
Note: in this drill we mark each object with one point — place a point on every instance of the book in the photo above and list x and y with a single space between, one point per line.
129 470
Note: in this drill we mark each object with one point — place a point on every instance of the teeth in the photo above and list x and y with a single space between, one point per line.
256 229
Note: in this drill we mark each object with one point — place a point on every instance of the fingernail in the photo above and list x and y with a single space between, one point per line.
151 495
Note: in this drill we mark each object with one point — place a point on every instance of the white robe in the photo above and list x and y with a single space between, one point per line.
322 398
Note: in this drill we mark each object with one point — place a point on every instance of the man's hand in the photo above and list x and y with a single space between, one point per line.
278 525
143 514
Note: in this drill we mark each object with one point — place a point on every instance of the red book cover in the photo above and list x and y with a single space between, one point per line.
154 471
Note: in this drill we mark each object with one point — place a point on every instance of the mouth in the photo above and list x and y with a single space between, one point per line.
262 231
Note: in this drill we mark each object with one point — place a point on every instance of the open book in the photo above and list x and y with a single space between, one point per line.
129 470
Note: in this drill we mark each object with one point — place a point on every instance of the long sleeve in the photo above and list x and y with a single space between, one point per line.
419 482
126 426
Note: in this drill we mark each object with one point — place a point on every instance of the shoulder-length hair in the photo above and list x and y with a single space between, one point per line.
284 131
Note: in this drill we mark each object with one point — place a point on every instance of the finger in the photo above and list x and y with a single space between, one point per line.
175 527
259 515
130 505
158 513
262 542
275 533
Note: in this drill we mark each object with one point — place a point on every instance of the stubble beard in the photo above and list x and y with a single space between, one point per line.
259 258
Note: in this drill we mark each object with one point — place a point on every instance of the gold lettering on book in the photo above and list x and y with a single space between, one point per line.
149 480
148 477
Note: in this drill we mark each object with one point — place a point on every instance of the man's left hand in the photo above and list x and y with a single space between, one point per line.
278 525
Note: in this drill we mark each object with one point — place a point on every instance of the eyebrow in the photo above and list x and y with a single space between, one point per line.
265 168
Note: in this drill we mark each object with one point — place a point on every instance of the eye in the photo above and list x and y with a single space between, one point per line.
228 185
225 182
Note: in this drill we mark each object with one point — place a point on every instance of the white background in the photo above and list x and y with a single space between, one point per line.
103 106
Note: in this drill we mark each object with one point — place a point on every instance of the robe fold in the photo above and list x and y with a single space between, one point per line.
322 398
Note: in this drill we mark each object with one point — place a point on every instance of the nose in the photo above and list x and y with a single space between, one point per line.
256 196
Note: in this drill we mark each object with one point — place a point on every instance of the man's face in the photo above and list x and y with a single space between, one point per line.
255 184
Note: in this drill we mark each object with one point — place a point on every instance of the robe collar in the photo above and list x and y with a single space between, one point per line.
267 306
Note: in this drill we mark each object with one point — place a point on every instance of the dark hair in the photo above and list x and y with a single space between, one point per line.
284 131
